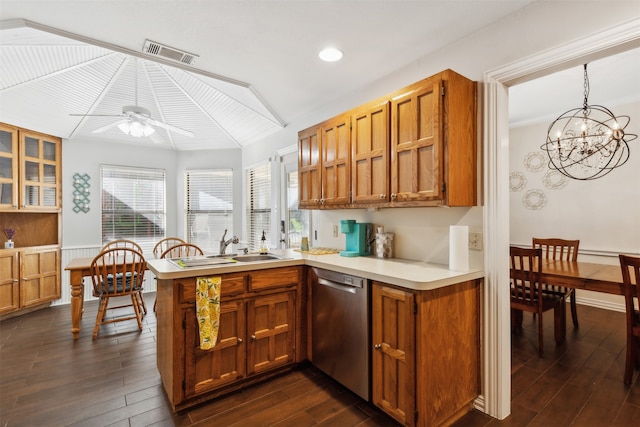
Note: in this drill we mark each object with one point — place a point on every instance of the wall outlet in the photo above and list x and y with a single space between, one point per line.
475 241
335 231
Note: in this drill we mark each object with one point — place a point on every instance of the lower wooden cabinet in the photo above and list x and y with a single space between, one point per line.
426 352
29 277
257 334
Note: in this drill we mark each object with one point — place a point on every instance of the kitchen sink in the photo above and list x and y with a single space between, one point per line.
255 257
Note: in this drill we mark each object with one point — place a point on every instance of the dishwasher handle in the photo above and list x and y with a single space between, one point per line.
335 285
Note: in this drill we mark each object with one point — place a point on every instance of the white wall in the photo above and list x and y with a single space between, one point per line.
604 214
83 230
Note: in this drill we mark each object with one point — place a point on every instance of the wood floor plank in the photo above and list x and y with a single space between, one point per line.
49 379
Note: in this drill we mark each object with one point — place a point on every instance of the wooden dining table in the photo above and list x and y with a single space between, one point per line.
583 275
78 269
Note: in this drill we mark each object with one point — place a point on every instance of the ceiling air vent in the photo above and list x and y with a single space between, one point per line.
157 49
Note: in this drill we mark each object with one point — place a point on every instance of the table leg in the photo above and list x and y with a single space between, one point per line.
77 300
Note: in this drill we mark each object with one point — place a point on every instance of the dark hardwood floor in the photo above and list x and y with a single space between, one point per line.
47 379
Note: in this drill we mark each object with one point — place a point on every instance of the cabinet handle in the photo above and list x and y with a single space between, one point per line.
322 201
253 338
15 280
239 340
377 346
393 196
382 196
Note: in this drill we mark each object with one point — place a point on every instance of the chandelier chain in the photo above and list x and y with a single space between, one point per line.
586 90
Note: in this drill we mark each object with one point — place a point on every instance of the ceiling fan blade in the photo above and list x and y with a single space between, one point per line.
162 124
97 115
109 126
156 138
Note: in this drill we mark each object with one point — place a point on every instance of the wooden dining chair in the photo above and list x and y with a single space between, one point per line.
165 244
560 249
182 250
130 244
178 251
122 243
118 272
527 295
631 279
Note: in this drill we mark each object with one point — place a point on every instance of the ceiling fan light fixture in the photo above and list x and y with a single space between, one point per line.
136 128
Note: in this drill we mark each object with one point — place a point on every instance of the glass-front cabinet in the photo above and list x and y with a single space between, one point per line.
40 171
30 217
8 167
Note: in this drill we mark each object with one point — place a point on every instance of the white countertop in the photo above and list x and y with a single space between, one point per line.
409 274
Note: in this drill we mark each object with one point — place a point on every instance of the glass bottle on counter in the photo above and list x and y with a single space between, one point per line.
263 244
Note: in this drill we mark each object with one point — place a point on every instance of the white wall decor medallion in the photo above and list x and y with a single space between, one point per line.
534 161
554 180
517 181
534 200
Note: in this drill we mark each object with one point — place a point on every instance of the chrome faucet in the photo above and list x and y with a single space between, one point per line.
225 243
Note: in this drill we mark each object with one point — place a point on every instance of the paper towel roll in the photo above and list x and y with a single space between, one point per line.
459 247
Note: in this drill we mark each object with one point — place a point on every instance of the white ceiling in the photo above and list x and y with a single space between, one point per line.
257 67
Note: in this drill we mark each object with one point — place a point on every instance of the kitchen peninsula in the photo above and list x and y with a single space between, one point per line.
425 328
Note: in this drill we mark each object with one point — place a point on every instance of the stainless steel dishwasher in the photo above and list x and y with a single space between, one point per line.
340 329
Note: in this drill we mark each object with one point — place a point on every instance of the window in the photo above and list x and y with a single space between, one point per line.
258 205
298 222
133 205
209 207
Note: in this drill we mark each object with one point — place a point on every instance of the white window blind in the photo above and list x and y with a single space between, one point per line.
209 207
133 205
259 204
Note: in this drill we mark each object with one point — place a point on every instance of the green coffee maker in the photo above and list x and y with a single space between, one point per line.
357 237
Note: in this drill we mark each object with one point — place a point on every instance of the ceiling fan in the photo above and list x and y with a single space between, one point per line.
136 121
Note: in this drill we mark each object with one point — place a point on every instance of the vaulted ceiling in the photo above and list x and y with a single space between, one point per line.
256 67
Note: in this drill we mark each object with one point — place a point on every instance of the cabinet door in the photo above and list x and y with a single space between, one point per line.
40 272
9 281
8 167
40 170
310 185
393 358
271 331
336 161
416 143
370 154
206 370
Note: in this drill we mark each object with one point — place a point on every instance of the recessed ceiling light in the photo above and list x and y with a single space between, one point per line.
330 54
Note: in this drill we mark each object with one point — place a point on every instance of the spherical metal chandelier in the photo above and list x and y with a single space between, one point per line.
588 142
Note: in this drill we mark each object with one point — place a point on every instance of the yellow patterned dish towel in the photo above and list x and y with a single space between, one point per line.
208 310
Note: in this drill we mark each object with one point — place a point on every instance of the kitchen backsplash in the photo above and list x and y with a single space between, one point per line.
420 234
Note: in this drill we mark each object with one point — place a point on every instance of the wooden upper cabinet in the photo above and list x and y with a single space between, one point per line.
434 142
370 153
416 143
414 147
8 167
336 161
309 185
40 171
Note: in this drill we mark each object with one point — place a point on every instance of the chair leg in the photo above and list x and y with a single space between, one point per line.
136 308
574 309
143 306
629 360
102 312
560 321
540 337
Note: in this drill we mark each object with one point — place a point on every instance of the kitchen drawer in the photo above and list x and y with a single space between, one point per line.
232 284
274 278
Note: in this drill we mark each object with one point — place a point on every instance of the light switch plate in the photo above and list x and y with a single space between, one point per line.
335 231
